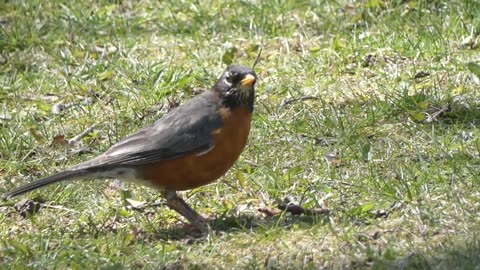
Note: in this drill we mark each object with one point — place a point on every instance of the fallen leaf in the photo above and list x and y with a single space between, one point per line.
59 107
59 139
27 207
334 160
421 74
288 205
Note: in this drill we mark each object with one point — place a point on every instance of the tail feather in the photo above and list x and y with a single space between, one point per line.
64 175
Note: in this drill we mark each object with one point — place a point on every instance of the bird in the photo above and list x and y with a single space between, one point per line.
191 146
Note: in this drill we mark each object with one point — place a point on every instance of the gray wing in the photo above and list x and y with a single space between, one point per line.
186 129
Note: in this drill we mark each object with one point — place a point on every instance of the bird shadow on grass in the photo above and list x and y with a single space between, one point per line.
235 224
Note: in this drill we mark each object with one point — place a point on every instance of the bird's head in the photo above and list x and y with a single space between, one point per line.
236 86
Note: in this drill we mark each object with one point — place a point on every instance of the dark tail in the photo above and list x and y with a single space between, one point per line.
64 175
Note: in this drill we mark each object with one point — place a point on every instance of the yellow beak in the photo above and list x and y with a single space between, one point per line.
248 80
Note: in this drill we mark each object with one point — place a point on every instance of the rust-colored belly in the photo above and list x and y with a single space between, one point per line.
198 169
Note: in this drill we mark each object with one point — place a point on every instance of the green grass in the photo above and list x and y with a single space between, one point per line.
403 190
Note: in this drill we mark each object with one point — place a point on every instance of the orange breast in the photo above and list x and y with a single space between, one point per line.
198 169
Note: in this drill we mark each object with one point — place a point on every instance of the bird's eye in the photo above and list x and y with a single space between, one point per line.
229 78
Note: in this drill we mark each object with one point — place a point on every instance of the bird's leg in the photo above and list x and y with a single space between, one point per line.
179 205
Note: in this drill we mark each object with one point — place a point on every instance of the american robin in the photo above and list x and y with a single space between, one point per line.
189 147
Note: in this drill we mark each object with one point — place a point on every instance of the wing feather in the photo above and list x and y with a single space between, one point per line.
186 129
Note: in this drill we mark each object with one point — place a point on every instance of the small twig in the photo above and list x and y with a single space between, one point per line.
80 136
269 212
59 107
258 57
290 101
147 205
59 207
300 25
433 117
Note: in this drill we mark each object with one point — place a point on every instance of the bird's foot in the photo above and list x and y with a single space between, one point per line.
180 206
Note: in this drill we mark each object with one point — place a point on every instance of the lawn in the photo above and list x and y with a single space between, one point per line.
368 109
